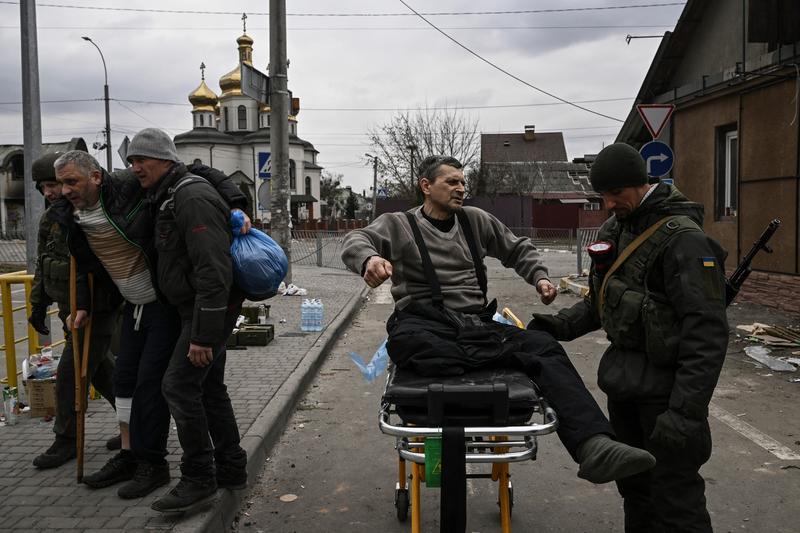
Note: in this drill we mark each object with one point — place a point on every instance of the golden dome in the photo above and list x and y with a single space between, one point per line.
203 98
264 108
231 83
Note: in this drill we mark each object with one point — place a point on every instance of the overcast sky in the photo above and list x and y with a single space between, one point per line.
342 67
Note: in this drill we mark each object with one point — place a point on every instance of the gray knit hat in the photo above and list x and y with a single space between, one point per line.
152 143
618 165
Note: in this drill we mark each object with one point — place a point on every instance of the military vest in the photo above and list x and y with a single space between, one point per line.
634 316
55 262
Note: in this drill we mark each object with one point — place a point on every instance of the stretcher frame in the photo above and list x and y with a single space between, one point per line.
495 445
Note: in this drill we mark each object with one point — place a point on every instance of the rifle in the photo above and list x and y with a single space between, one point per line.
737 279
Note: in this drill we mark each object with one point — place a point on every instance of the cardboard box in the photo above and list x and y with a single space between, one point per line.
41 395
259 335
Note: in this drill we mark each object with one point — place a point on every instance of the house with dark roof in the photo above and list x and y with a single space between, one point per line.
731 71
531 170
12 183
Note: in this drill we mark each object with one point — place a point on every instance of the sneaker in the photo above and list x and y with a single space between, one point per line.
230 477
119 468
185 495
114 443
56 455
148 477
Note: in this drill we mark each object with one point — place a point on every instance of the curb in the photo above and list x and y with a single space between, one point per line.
570 285
269 424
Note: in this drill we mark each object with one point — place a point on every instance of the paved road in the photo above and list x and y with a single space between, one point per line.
342 469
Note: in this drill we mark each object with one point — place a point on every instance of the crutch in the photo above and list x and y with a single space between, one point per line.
80 360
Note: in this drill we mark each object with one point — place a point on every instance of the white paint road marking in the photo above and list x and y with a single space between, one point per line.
749 432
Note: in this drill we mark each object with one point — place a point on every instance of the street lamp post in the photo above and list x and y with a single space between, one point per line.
374 183
108 118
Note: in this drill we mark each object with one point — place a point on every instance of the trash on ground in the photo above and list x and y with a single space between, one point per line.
772 335
376 366
761 354
288 498
291 290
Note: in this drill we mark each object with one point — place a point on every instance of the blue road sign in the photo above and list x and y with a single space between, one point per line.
668 181
383 193
264 165
658 157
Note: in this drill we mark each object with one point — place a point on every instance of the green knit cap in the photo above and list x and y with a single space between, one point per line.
618 165
43 170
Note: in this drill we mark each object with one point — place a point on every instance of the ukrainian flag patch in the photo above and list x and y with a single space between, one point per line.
709 262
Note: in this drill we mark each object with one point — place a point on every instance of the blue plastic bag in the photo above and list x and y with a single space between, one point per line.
376 365
259 263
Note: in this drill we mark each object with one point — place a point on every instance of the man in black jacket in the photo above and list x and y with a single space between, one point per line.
193 239
660 297
51 285
112 232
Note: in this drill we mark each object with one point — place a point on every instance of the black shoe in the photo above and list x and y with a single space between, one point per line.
114 443
56 455
185 495
148 478
230 477
119 468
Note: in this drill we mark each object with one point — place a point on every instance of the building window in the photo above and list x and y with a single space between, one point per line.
17 168
308 185
727 171
292 176
242 116
227 123
591 206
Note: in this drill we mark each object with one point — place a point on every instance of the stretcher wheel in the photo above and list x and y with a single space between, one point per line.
401 503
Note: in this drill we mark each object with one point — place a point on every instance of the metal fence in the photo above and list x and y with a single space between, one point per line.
12 250
585 237
318 248
551 238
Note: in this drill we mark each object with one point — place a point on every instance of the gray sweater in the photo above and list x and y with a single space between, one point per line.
390 237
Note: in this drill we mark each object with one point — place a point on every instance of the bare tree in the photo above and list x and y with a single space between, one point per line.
430 132
330 191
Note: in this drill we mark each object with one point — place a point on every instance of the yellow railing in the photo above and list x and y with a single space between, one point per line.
10 342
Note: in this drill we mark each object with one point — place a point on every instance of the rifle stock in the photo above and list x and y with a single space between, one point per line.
737 279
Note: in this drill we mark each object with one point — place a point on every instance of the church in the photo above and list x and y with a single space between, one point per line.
231 132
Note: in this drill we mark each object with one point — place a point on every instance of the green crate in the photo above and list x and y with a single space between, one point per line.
233 341
259 335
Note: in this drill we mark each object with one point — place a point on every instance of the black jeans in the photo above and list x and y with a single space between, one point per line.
143 358
199 402
100 371
671 496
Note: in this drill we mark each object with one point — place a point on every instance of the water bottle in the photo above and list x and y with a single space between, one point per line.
320 315
305 315
262 314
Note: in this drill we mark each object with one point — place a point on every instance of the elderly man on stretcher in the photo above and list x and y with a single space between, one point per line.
442 324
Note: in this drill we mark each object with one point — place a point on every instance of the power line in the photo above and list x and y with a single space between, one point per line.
343 28
431 14
507 73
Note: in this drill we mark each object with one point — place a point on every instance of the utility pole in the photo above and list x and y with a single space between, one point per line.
31 127
374 184
281 221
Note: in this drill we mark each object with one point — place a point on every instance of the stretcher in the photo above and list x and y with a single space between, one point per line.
501 412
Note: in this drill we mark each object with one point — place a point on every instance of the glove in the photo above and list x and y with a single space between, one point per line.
545 323
673 430
37 320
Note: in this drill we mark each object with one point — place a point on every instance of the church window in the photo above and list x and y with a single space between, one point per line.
308 185
292 175
242 116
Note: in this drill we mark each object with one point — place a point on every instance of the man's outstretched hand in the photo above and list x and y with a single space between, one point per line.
377 270
547 291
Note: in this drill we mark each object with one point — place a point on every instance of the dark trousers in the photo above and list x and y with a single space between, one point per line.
671 496
544 360
142 360
99 371
199 402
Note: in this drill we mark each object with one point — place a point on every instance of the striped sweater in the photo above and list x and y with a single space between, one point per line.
124 262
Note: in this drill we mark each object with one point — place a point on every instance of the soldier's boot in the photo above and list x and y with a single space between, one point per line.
603 459
59 453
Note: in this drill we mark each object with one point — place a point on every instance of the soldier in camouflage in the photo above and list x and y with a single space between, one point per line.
658 292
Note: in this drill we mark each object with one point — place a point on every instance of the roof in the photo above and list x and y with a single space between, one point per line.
241 177
302 199
7 150
541 179
308 165
507 147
